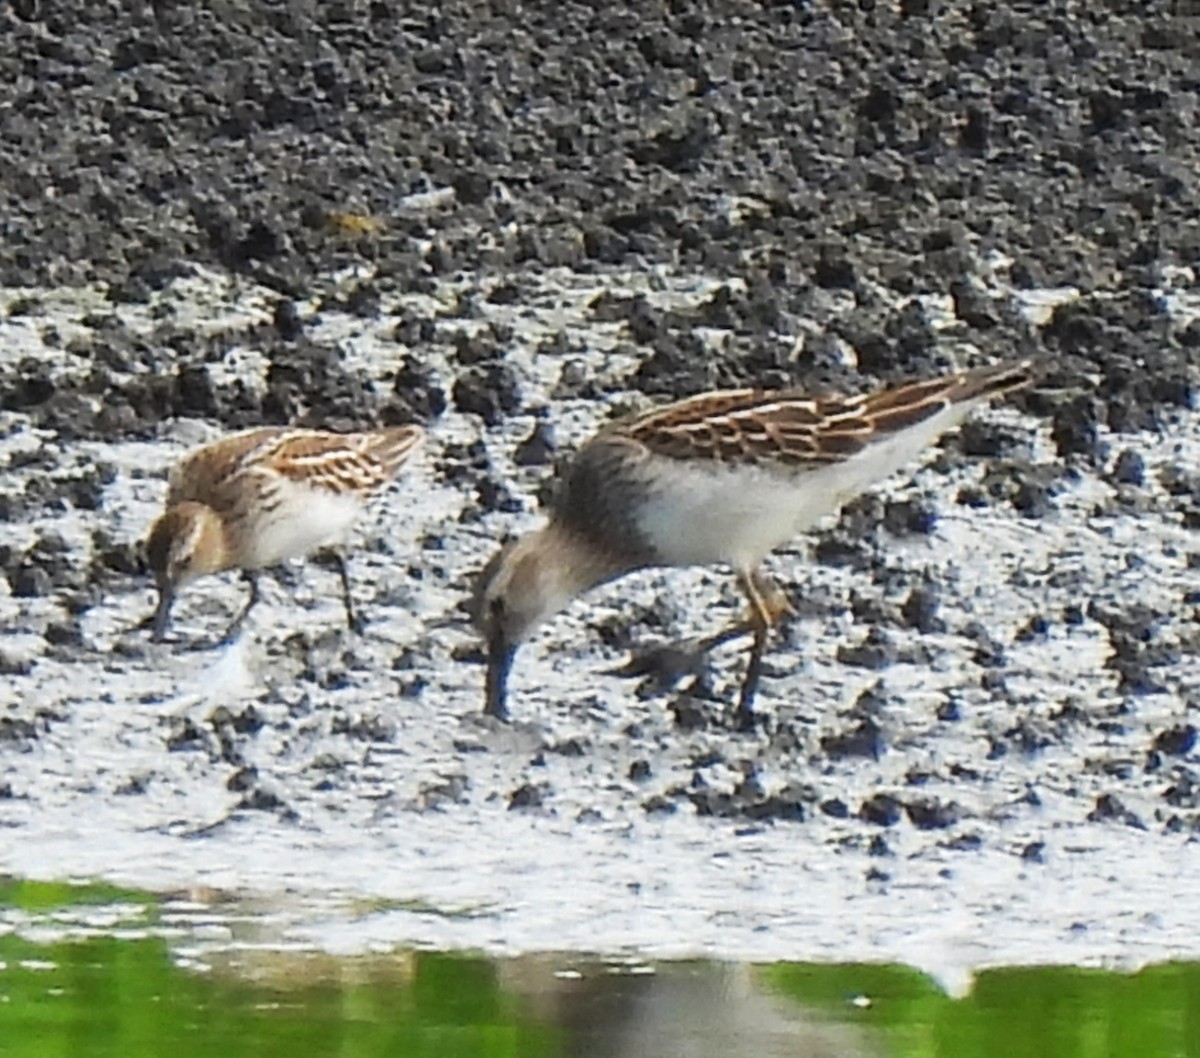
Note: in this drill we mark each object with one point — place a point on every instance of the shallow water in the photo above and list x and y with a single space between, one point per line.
100 971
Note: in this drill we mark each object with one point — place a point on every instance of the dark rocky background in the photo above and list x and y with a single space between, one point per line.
835 158
883 148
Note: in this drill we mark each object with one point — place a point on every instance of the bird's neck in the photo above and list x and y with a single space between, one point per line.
581 562
216 550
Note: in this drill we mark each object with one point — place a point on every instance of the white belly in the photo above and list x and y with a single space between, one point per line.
700 515
304 521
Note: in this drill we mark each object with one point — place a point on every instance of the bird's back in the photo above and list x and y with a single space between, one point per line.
354 463
281 492
210 474
730 475
792 428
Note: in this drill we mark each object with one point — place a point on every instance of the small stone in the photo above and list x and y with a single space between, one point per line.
1033 852
931 814
526 796
29 582
883 810
864 740
538 448
1176 741
1129 469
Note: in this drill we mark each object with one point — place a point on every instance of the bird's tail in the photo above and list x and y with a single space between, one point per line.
394 445
913 402
996 379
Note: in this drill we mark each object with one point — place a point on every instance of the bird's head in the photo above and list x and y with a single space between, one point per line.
186 542
527 581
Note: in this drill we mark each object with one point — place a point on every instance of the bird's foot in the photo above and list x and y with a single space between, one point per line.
666 663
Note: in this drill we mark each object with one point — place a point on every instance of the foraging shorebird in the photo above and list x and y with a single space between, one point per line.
721 478
257 498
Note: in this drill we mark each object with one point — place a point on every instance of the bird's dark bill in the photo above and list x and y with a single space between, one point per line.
499 664
161 620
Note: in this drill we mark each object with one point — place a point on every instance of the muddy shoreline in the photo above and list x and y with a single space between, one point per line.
982 746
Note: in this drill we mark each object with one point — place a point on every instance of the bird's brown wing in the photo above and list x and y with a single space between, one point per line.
791 428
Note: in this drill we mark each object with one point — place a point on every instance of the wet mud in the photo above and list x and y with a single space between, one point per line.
509 224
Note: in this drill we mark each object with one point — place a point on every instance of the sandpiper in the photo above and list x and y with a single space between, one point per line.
721 478
257 498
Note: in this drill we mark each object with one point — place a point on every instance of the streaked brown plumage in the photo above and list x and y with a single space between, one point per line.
257 498
724 477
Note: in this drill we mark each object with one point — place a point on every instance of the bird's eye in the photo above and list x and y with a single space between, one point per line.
496 607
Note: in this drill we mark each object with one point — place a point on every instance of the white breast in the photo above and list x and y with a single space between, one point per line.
700 515
305 520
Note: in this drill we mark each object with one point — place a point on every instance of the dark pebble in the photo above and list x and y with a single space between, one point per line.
30 582
1176 741
1109 808
876 651
490 391
1034 852
835 808
931 814
538 448
920 610
863 740
1129 469
882 810
526 796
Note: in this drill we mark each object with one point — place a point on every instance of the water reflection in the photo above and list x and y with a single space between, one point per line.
101 972
674 1010
558 1004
